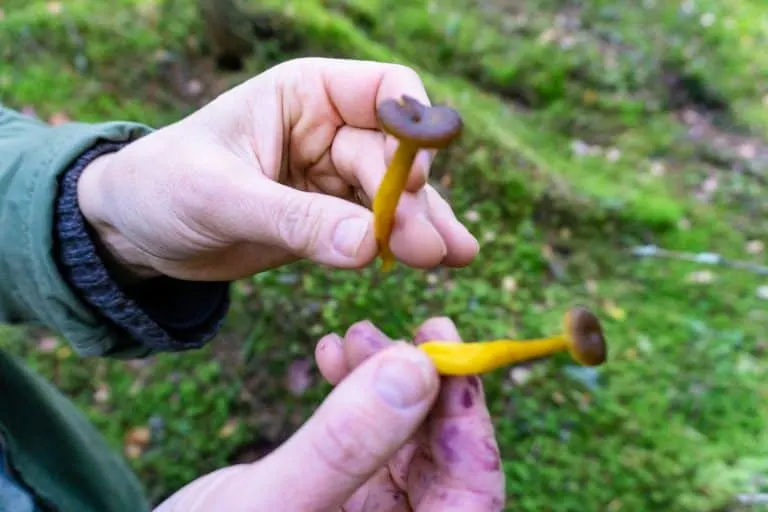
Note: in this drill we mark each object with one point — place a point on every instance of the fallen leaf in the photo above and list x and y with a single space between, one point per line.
615 311
509 284
472 216
590 97
138 435
229 428
520 375
298 378
2 14
101 395
446 181
64 352
755 247
133 451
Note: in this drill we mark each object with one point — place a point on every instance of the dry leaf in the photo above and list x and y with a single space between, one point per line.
755 247
615 311
133 451
229 428
298 377
101 395
64 352
138 435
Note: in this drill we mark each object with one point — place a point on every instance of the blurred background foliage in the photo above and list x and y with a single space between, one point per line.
593 127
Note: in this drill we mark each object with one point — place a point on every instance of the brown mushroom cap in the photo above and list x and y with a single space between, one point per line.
587 343
426 126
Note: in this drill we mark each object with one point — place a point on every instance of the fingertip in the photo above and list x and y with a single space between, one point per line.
330 358
439 328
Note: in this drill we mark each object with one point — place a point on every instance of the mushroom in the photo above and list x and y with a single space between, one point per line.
416 126
582 337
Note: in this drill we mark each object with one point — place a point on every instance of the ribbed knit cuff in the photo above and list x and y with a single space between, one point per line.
163 314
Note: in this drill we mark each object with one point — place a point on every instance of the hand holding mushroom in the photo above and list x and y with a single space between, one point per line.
270 172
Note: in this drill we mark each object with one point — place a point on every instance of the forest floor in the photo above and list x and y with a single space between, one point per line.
593 127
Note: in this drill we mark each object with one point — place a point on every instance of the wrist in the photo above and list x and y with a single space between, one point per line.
120 256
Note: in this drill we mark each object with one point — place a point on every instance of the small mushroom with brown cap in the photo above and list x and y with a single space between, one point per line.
582 337
416 126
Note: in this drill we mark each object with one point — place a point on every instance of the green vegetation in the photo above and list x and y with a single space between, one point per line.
593 126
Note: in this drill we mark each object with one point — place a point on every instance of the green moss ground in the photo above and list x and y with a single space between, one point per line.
580 145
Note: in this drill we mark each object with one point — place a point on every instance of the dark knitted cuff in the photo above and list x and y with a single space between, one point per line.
163 314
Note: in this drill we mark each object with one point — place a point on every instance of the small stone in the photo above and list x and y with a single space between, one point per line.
432 279
762 292
591 286
489 236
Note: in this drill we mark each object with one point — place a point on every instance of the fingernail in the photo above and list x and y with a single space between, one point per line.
403 381
349 235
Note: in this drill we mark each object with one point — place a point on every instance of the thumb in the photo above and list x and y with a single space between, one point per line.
368 417
354 433
320 227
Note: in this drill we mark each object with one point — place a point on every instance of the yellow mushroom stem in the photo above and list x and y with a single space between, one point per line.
452 358
388 196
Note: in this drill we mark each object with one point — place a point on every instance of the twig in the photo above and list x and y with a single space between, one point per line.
706 258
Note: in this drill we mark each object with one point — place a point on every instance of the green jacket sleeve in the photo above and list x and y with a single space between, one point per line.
42 284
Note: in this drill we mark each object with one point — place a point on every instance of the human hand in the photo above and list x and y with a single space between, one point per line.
270 172
452 461
389 437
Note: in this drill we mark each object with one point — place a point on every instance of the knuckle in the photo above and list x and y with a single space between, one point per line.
344 446
298 224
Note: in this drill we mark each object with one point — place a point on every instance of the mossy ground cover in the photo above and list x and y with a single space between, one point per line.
592 127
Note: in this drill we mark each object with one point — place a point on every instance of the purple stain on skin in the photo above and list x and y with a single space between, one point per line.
466 398
474 381
490 458
445 442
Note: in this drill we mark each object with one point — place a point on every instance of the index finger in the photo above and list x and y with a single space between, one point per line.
356 87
